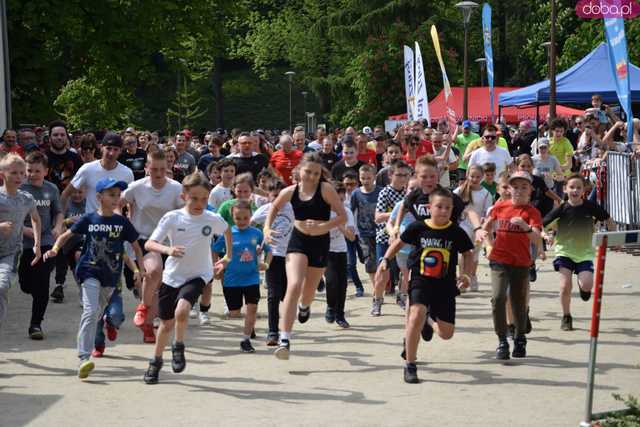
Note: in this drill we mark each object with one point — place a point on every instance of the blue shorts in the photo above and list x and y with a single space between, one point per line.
575 267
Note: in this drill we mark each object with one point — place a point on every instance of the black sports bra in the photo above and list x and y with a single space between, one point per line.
314 208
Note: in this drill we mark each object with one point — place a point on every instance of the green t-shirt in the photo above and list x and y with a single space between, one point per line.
225 210
575 229
562 150
462 141
491 188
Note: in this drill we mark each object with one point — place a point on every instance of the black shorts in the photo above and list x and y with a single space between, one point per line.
141 242
440 305
233 295
316 248
368 248
168 297
575 267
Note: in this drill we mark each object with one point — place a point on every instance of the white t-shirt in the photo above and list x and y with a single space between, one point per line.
338 241
282 226
443 166
546 168
195 233
149 204
481 202
219 195
90 173
499 156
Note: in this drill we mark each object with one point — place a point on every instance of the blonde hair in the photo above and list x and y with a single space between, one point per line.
465 188
10 160
244 178
196 179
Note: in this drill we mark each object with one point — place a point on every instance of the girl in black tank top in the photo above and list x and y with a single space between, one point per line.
308 249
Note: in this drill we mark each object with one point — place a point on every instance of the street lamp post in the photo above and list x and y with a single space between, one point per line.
290 75
482 62
466 7
304 109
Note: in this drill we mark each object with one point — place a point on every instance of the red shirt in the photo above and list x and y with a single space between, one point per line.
368 157
425 147
512 243
15 149
284 163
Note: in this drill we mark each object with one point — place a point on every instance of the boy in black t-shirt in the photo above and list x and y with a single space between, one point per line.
433 287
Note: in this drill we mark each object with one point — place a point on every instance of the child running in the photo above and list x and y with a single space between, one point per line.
15 205
574 220
312 200
188 269
433 288
276 274
242 273
222 191
34 279
100 265
518 224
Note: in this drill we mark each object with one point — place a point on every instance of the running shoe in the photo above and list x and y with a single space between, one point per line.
427 330
359 292
411 373
141 315
342 322
85 368
148 336
566 324
533 273
376 307
519 347
303 314
153 371
35 333
203 317
193 314
58 294
111 331
98 351
321 286
585 295
282 352
246 347
404 349
330 315
502 352
272 339
178 362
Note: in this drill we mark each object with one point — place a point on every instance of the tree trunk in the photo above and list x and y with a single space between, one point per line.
217 91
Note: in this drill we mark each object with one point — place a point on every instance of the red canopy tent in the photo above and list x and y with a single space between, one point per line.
479 110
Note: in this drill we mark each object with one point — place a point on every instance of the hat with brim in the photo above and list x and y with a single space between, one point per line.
107 183
520 175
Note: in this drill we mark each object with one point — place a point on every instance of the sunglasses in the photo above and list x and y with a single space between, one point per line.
490 137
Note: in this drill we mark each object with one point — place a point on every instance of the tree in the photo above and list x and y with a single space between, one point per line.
186 109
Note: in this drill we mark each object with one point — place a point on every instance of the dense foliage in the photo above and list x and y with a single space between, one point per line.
117 62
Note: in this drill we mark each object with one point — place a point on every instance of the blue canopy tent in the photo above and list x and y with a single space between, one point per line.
592 74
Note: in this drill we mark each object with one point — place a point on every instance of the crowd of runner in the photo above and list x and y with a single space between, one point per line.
169 218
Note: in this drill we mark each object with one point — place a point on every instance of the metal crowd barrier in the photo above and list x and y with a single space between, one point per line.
622 188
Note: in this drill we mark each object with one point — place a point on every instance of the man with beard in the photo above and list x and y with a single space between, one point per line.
63 163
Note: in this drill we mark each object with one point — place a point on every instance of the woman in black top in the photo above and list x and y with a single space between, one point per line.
312 200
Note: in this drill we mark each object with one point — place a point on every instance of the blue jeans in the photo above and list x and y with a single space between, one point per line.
352 263
115 317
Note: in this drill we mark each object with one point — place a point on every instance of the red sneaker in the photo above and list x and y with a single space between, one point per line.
98 351
141 315
147 334
112 332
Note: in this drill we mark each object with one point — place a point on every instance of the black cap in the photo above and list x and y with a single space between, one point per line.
112 140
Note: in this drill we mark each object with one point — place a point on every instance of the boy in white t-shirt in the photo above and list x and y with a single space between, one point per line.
190 231
222 191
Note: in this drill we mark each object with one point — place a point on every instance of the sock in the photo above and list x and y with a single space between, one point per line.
204 308
411 365
246 337
303 307
284 335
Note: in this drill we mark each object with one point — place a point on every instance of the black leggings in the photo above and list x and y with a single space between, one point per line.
276 277
34 280
336 276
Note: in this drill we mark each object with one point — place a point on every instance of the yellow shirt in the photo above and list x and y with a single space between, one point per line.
563 151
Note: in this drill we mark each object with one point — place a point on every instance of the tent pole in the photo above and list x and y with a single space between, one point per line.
499 112
537 120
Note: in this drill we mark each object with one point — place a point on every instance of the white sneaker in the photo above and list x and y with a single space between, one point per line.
193 313
225 309
204 318
156 322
